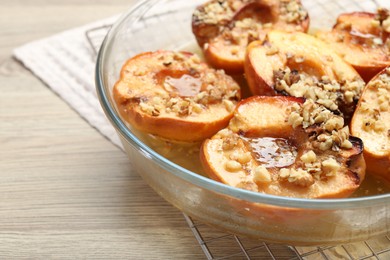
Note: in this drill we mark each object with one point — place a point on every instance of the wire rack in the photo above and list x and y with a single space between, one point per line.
217 244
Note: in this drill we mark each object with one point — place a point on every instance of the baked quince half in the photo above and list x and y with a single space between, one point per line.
297 64
371 123
175 96
287 147
224 28
362 39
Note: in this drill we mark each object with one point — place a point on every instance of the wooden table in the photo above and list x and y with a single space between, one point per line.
65 191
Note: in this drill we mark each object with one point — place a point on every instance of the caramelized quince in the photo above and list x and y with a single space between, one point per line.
300 65
175 96
371 123
362 39
224 28
284 146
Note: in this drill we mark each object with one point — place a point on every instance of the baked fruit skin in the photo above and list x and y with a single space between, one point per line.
371 123
298 64
224 28
362 39
175 96
267 149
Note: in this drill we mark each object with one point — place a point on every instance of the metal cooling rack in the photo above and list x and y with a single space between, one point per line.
218 245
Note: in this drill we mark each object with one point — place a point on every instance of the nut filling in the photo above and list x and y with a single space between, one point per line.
373 120
240 22
327 133
327 129
334 95
188 87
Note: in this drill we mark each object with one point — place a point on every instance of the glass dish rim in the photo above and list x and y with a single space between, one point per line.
197 179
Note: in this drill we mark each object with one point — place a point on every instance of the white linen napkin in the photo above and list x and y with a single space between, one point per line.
66 63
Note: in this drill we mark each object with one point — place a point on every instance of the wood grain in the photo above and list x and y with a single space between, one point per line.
65 191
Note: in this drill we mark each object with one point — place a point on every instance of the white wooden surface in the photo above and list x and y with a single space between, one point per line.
65 191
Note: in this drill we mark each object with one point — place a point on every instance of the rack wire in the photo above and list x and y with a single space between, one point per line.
95 37
218 245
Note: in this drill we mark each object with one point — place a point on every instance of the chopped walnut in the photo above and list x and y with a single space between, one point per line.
309 157
331 133
230 142
298 176
341 138
233 166
261 175
322 91
149 109
229 105
295 119
314 168
330 167
334 123
309 113
241 157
